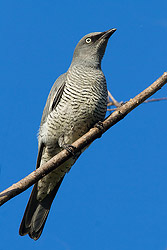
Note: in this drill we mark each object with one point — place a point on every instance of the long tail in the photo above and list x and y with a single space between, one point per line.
36 213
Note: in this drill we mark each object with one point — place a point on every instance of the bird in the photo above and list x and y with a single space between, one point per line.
77 102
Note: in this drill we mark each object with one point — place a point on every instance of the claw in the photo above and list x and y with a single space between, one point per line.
70 148
100 126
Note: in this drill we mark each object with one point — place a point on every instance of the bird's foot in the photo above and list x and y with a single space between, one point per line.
70 148
100 126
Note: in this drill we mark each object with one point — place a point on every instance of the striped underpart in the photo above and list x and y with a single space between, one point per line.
83 103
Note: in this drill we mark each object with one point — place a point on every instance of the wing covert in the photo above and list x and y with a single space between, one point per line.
54 97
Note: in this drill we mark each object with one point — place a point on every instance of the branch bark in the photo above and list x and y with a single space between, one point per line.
82 142
109 104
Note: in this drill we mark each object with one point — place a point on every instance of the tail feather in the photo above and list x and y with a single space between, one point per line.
36 213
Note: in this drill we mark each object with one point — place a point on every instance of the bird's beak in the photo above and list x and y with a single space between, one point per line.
108 33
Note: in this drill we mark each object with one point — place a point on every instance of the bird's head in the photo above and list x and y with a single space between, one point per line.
91 48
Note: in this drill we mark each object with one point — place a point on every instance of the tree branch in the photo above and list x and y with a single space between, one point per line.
82 142
114 101
109 104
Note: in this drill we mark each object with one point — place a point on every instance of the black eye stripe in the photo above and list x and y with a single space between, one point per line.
94 38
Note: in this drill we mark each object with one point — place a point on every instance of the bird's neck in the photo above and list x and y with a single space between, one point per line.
87 62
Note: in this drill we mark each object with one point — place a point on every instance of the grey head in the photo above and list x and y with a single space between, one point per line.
91 48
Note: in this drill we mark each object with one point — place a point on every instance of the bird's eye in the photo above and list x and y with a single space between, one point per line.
88 40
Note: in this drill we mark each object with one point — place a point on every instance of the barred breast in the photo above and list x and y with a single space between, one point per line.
83 103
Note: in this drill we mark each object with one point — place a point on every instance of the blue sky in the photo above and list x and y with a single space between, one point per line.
115 196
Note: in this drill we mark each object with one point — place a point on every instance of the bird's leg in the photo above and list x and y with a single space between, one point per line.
100 126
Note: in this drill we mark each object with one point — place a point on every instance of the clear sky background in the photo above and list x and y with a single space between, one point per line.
115 196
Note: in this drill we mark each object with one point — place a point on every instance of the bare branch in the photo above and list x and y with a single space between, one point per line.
109 104
82 142
156 99
114 101
111 109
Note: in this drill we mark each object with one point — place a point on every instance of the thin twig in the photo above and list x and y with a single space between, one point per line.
82 142
156 99
114 101
109 104
112 109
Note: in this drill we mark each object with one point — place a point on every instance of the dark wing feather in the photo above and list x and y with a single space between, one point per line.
54 97
36 211
58 96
